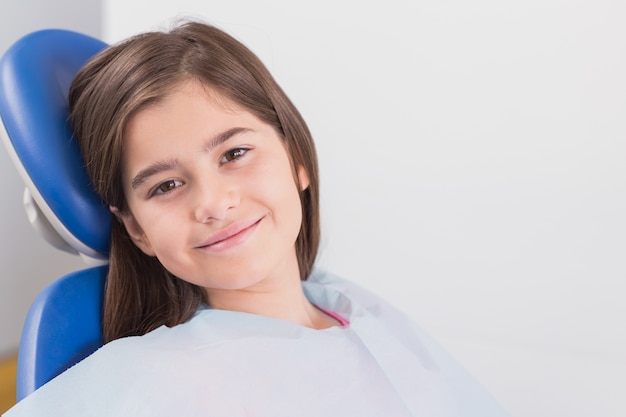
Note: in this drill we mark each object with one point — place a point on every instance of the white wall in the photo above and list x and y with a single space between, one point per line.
28 262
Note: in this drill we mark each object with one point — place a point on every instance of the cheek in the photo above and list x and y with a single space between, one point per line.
159 226
277 185
288 206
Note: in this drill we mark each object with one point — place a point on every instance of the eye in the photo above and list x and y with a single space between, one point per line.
167 186
233 154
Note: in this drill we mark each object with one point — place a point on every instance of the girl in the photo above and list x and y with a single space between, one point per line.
213 305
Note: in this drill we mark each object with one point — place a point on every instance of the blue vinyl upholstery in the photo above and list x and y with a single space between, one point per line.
63 326
64 323
35 75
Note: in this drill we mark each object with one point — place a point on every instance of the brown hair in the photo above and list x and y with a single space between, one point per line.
141 294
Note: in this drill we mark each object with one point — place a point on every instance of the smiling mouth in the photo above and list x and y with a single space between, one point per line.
230 237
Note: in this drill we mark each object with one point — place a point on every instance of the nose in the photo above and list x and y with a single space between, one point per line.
213 198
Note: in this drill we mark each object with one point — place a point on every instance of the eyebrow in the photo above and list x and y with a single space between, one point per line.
166 165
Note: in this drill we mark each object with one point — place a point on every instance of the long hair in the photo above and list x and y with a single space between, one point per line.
110 89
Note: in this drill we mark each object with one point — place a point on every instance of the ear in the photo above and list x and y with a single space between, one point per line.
134 230
303 178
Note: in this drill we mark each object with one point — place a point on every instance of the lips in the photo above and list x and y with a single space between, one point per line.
230 236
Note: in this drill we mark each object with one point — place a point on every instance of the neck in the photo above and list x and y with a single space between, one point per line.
279 298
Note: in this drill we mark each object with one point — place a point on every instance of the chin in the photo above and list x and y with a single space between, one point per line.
232 281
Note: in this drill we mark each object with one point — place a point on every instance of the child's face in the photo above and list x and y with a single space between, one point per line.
211 192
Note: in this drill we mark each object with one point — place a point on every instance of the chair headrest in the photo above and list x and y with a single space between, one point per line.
35 75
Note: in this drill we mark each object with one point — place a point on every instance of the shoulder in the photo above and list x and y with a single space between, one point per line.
386 324
373 303
124 369
395 321
331 280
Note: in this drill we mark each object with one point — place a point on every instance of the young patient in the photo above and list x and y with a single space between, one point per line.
213 304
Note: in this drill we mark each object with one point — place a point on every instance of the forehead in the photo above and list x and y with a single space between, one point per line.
190 88
183 121
185 102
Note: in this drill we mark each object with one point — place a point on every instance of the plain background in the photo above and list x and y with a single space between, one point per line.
472 158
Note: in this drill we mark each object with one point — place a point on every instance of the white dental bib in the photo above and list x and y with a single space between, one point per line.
229 364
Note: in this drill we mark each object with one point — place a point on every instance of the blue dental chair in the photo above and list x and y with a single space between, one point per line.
63 325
